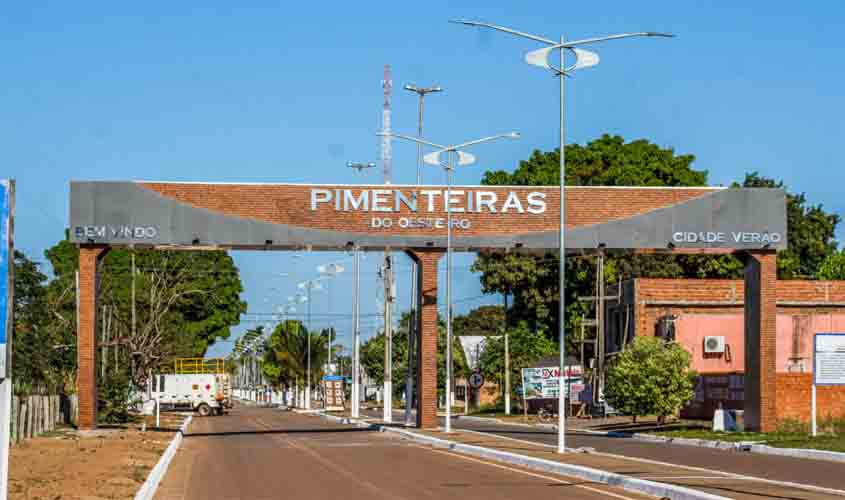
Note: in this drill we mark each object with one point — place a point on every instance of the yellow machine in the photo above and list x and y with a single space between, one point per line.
191 366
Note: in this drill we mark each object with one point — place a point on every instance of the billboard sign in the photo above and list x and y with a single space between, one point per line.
541 383
6 263
829 359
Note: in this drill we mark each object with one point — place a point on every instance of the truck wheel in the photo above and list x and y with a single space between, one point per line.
204 410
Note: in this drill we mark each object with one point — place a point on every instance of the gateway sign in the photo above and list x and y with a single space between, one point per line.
426 201
376 217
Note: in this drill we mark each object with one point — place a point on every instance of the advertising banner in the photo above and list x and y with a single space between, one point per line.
541 383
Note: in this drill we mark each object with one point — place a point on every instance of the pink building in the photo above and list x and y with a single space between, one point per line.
707 318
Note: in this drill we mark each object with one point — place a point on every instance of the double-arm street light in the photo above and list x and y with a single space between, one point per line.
583 59
412 325
463 159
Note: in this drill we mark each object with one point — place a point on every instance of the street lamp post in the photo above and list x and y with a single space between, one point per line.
583 59
463 159
308 286
329 271
412 325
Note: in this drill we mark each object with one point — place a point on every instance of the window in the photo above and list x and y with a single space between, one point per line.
161 383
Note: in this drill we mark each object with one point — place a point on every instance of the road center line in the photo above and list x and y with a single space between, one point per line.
550 478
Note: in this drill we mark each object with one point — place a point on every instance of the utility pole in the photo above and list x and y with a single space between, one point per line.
387 160
412 326
356 340
507 362
388 340
133 307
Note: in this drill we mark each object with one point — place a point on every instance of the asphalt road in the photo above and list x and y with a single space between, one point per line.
822 473
769 469
262 453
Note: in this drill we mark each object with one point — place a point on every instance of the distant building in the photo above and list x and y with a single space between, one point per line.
707 318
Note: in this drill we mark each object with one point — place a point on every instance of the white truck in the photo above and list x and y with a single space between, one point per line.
205 393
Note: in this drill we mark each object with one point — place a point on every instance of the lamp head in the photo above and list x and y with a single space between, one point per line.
514 135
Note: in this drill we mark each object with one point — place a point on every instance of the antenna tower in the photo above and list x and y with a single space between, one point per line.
386 155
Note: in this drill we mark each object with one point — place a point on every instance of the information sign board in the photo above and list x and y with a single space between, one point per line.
829 359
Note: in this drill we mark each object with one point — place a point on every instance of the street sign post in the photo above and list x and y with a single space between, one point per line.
828 365
476 380
7 266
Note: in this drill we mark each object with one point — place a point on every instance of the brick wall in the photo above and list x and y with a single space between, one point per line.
655 298
427 343
290 204
793 398
86 336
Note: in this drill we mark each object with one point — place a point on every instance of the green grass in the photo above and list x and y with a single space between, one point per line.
779 439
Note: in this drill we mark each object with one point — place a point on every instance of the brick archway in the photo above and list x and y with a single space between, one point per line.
162 215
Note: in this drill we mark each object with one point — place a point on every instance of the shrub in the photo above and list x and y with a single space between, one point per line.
651 377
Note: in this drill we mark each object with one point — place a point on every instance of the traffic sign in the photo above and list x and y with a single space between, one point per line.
476 380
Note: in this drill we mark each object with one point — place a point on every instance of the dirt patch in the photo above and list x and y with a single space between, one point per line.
107 464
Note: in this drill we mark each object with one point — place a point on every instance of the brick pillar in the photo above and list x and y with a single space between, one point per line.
427 341
760 340
86 336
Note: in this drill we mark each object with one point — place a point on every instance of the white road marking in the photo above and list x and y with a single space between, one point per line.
717 473
550 478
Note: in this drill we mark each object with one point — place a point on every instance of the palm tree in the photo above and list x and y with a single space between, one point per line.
287 349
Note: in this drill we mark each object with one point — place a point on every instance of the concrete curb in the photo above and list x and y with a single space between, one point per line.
148 489
586 473
834 456
747 446
594 475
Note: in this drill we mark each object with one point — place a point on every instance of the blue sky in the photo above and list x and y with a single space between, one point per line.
289 91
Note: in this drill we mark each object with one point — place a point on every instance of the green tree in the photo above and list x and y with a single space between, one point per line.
185 301
651 377
610 161
372 356
483 320
833 267
526 347
38 355
286 354
811 232
607 161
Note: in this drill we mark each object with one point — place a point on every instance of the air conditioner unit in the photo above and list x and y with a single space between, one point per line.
714 344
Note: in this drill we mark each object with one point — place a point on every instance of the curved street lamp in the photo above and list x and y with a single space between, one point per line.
463 159
583 59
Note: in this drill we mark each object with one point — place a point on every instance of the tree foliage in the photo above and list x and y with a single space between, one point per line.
286 353
525 346
610 161
811 232
607 161
651 377
44 354
185 301
372 356
833 267
483 321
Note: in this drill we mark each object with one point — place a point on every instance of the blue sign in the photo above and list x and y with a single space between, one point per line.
332 378
5 262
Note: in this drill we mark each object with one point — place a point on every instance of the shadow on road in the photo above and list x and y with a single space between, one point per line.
276 431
